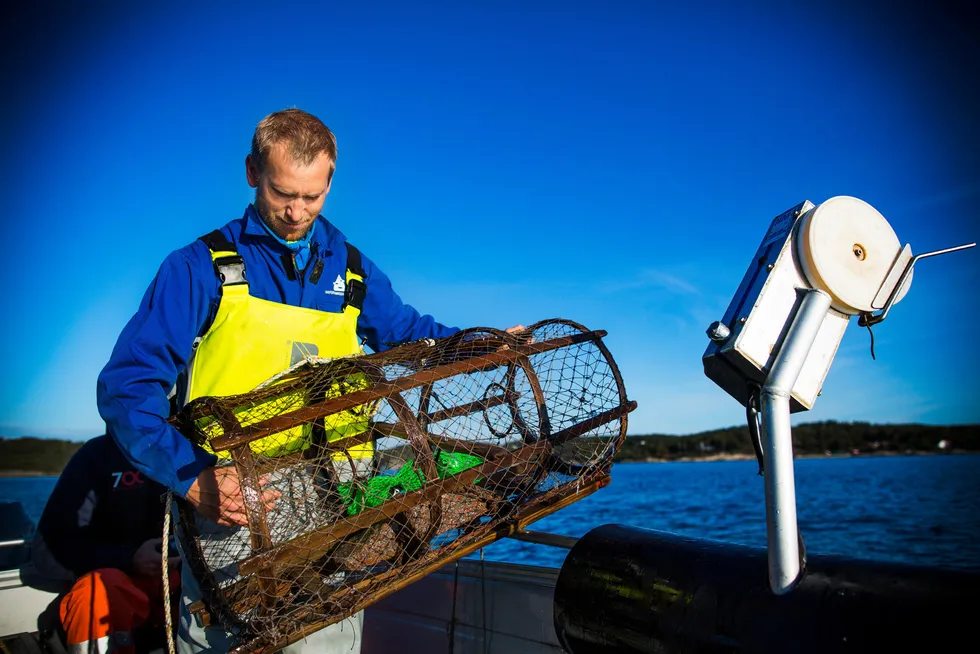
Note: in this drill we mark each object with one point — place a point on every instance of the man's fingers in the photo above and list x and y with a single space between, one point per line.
236 515
225 503
232 503
233 519
211 492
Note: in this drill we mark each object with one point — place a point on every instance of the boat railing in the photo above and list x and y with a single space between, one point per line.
12 543
545 538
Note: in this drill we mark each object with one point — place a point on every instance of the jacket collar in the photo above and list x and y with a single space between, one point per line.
324 233
254 226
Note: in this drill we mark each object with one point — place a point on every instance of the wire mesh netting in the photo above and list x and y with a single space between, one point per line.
386 466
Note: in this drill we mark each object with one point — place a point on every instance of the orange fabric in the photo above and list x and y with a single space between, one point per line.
108 601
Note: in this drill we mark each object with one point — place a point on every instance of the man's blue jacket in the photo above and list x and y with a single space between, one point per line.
155 346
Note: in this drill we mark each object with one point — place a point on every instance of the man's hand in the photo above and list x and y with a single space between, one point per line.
147 560
217 495
517 330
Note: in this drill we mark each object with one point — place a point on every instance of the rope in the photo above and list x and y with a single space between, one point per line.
752 416
165 549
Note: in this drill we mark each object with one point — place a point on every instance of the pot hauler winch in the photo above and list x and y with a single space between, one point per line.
817 267
627 589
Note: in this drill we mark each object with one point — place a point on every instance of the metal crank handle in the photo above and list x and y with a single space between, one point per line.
868 319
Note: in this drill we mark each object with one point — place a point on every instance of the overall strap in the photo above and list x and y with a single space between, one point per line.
356 288
228 264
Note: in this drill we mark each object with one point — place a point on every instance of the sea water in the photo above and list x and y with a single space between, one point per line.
913 509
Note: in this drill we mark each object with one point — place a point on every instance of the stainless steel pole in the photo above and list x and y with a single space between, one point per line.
781 526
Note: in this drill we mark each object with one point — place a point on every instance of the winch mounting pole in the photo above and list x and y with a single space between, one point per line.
782 532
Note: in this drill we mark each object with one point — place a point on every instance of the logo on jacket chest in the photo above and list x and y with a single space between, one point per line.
338 287
127 479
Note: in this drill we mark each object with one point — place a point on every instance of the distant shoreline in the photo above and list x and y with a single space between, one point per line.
683 459
751 457
28 473
29 457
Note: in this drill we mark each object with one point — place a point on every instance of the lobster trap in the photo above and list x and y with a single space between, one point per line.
390 465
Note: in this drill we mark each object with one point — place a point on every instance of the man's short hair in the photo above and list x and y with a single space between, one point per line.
304 134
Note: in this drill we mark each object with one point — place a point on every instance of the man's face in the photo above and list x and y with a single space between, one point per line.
289 195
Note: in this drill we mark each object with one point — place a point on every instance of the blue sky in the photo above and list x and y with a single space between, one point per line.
613 163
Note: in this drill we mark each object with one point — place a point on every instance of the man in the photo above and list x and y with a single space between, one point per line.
237 306
101 532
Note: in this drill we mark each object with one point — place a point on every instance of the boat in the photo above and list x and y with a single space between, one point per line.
623 588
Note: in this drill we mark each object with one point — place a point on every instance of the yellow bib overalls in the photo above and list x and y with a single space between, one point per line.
251 340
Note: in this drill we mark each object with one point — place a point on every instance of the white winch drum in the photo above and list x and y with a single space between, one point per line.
847 249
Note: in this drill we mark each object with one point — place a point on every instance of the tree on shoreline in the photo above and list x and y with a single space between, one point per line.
816 438
48 456
36 455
